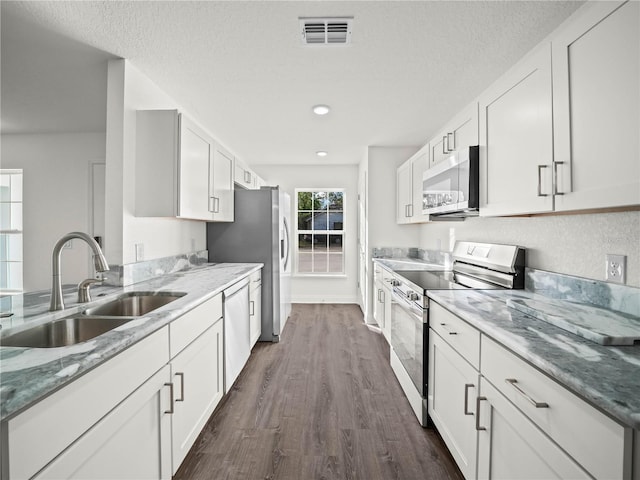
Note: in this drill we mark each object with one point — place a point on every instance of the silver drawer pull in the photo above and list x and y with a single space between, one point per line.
513 382
467 386
181 375
478 400
540 194
170 385
450 332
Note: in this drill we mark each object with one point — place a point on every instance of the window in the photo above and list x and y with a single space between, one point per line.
320 232
10 231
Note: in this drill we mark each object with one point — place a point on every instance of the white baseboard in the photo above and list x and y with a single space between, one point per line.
325 299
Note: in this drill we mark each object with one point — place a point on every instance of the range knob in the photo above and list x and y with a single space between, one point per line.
413 296
395 283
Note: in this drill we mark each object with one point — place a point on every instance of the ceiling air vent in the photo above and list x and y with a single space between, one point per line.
326 31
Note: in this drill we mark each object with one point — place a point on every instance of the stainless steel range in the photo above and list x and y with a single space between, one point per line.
476 266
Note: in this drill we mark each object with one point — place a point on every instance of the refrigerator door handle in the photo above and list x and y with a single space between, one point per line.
286 241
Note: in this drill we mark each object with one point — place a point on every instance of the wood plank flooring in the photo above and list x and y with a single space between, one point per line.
321 404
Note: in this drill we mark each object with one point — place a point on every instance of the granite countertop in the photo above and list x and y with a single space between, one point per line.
607 377
29 374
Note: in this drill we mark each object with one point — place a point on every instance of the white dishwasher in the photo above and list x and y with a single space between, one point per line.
237 339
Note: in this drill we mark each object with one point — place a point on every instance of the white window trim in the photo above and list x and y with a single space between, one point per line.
343 232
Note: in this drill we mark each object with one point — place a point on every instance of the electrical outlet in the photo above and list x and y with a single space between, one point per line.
139 252
616 268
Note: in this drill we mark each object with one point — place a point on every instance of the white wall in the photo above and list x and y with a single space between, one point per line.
130 90
569 244
289 177
56 200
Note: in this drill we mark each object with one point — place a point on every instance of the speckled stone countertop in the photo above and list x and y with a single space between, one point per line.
27 375
607 377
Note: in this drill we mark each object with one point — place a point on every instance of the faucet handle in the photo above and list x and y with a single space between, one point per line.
84 295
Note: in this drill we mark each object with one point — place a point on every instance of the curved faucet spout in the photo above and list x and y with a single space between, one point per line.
98 259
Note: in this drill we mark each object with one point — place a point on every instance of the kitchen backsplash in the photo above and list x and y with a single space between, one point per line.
622 298
123 275
436 257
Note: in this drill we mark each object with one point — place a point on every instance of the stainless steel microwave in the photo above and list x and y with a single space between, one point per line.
451 188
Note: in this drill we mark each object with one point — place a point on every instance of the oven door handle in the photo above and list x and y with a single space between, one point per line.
407 305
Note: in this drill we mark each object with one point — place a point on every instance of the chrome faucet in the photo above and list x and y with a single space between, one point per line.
98 259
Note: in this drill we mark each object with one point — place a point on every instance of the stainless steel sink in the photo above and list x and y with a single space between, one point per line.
134 304
64 332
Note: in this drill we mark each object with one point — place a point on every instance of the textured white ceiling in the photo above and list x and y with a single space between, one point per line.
240 68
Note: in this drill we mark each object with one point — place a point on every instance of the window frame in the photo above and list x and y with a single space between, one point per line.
296 272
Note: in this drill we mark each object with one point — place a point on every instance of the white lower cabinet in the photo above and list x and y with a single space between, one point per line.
82 416
511 447
131 442
198 384
501 418
255 306
453 384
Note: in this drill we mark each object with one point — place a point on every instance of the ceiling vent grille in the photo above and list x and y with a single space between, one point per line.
326 31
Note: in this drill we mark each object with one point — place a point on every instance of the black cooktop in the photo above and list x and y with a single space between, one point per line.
442 280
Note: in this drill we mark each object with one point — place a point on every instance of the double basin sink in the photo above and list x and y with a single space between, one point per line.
91 322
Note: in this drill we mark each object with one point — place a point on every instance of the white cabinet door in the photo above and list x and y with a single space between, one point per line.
198 383
193 186
461 132
132 442
419 164
516 150
378 304
221 185
404 193
510 447
173 160
596 99
255 307
452 387
386 329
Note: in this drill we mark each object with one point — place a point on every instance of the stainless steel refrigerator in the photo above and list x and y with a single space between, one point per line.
260 233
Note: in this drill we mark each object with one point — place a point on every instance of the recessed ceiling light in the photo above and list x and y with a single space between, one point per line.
322 153
321 109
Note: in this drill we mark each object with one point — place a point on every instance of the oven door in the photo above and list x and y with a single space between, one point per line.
408 330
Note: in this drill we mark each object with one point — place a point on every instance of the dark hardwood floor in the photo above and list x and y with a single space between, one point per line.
321 404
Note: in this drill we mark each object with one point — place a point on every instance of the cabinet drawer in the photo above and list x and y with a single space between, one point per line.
456 332
189 326
591 438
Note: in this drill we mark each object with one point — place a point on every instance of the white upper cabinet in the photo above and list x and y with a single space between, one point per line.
596 97
221 185
180 170
409 188
461 132
516 139
404 193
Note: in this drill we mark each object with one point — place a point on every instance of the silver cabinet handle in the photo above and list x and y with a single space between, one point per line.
450 332
513 382
540 194
410 206
170 385
555 178
445 149
181 375
247 177
467 386
212 203
217 205
252 310
382 296
478 427
451 142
